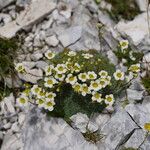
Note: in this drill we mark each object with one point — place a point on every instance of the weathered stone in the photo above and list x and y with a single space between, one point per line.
139 112
32 75
65 9
82 123
134 95
36 56
28 17
22 3
136 139
136 30
116 129
51 134
11 141
4 3
52 40
15 127
142 4
7 105
70 35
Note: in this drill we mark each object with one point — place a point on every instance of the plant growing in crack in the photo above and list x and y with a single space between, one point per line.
75 82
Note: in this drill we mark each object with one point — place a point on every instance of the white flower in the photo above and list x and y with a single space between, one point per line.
135 68
49 54
50 96
96 97
48 70
87 55
69 65
61 68
72 53
103 73
59 77
108 79
20 68
40 103
103 82
94 85
84 89
35 89
49 82
71 79
109 99
22 100
124 44
92 75
41 94
83 77
77 87
76 67
49 105
131 56
119 75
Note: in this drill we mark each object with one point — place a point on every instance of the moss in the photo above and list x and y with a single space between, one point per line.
8 49
126 9
146 83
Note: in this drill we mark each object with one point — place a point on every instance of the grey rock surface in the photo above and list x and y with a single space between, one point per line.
28 17
4 3
51 134
116 130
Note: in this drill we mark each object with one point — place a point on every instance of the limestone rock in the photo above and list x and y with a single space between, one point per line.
51 133
52 41
70 35
140 113
4 3
116 129
134 95
137 30
28 17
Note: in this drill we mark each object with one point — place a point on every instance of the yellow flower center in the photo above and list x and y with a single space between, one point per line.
71 78
102 82
49 104
91 76
36 90
95 85
119 75
97 95
50 54
50 96
83 76
123 44
40 101
50 82
60 68
22 100
109 99
77 88
85 89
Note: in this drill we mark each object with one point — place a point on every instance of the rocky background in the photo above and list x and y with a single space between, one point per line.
55 24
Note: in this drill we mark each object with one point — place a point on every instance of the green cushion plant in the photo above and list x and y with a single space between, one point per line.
82 81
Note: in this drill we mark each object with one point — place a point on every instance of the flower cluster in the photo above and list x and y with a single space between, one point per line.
82 71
